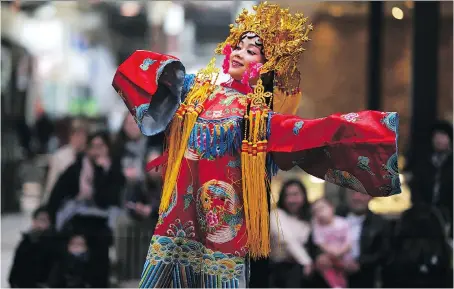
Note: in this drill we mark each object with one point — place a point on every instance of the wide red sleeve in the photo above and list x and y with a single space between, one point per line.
152 86
355 150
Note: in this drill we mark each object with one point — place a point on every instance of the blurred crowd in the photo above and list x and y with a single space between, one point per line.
98 198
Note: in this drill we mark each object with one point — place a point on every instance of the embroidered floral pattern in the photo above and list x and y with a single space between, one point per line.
350 117
230 99
219 211
217 90
363 163
234 164
177 229
344 179
391 120
188 197
147 62
392 172
212 219
297 127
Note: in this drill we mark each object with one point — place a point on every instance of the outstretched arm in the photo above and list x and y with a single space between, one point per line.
355 150
152 86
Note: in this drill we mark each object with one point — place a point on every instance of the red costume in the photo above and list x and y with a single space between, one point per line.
203 235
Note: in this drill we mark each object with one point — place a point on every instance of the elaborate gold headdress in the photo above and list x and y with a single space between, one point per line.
283 36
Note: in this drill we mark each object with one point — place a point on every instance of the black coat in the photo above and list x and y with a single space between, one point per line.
423 181
72 272
33 260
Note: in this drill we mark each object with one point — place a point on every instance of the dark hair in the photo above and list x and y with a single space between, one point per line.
304 212
252 35
268 84
104 135
42 209
443 127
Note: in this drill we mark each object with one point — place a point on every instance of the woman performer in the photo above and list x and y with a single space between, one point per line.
226 141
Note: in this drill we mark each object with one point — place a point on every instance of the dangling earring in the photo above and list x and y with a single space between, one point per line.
226 64
252 71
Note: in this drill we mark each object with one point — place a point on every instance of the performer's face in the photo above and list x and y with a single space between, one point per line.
248 50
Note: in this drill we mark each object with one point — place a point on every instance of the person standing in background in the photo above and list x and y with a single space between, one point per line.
368 232
290 259
130 150
65 156
35 255
430 179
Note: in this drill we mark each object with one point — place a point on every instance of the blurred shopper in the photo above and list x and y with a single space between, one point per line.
144 205
66 155
130 150
431 179
418 255
368 233
86 197
290 260
44 128
135 226
35 255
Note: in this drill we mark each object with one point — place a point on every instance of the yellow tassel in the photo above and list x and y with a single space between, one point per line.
173 148
253 164
180 132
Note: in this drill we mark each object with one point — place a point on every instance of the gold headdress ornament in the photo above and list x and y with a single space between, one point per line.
283 36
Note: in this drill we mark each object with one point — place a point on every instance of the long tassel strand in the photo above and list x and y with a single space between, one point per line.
180 133
253 163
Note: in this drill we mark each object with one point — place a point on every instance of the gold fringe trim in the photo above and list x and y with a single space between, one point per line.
182 125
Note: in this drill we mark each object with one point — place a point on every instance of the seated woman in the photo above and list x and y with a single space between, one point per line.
226 141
